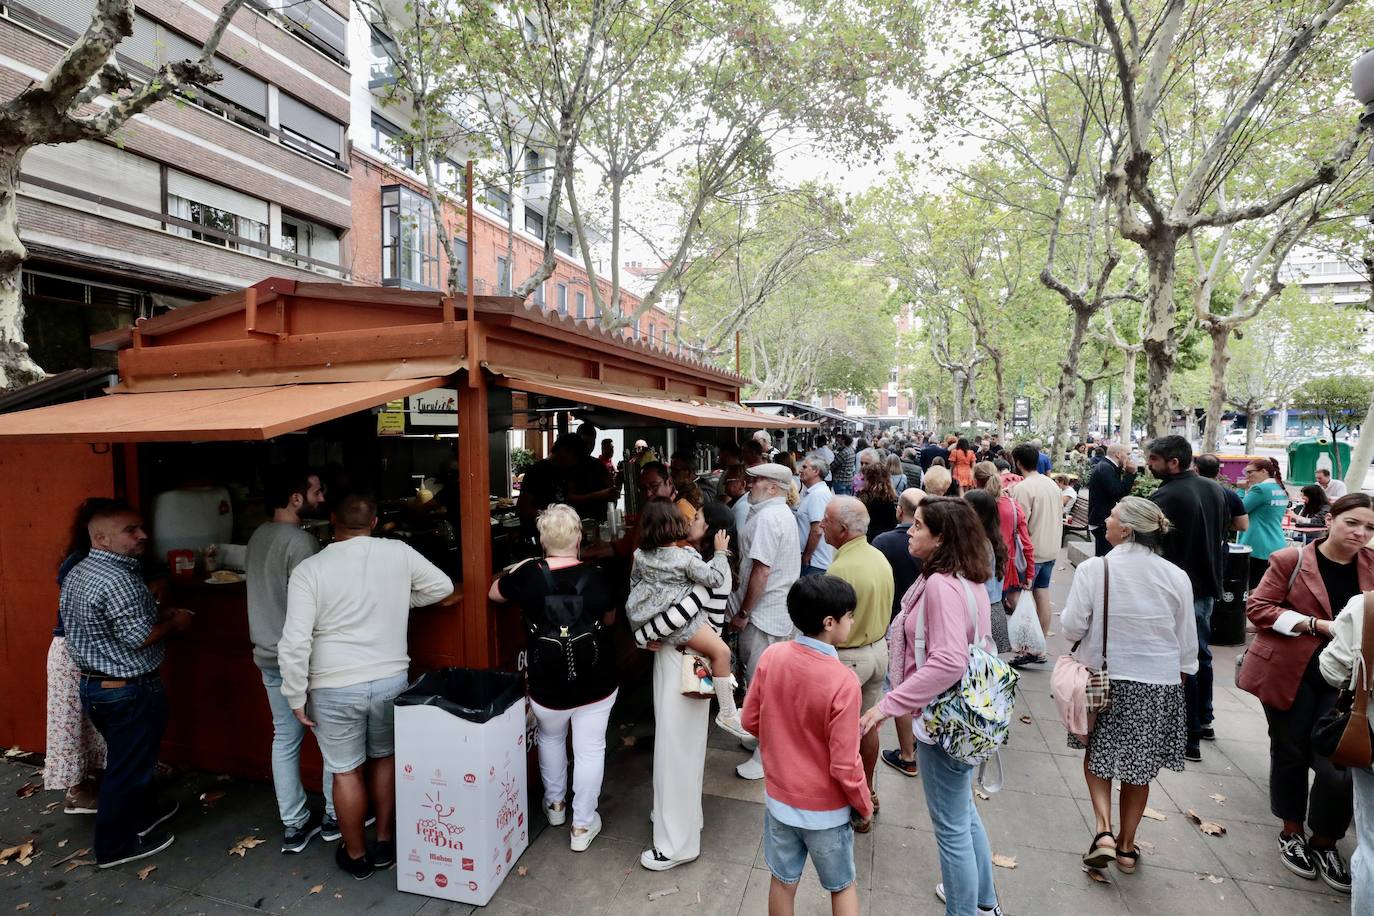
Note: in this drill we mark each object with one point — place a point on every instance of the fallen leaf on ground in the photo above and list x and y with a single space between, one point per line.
522 871
23 853
145 871
981 794
1208 827
22 906
1095 875
209 798
48 808
28 789
61 844
1026 719
1002 861
1211 878
74 864
1218 798
72 855
245 844
317 888
655 895
1153 815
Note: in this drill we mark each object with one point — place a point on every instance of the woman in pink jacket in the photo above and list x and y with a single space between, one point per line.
944 612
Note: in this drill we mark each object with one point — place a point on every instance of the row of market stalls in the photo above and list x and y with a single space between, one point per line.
380 389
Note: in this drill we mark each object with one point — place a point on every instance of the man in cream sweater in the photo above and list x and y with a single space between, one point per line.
343 647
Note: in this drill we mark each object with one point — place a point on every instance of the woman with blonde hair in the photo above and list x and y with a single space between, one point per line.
937 481
1131 612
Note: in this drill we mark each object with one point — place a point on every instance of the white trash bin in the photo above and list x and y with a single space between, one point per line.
462 813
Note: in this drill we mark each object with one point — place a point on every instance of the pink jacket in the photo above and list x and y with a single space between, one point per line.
804 708
947 635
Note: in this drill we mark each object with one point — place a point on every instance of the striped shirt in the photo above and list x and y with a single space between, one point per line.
108 613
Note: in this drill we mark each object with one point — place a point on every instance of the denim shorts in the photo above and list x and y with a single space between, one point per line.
832 850
355 723
1043 572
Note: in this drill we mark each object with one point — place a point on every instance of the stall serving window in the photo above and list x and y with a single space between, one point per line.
410 244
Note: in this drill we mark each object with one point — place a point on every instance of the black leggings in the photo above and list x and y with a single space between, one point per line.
1329 806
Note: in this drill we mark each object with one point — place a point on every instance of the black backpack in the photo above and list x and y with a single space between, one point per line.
563 645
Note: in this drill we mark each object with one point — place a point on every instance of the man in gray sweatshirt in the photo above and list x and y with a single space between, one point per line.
274 550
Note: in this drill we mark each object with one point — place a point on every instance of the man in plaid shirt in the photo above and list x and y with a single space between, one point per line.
114 635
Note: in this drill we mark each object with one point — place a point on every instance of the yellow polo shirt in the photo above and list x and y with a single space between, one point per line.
865 568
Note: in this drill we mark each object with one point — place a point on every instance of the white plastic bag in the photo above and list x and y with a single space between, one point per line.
1024 630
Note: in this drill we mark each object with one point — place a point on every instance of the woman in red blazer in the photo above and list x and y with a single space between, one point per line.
1281 669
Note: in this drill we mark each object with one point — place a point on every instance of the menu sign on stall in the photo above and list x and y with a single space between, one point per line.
436 407
391 419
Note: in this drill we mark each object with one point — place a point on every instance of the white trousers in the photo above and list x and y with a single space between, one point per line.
680 725
588 725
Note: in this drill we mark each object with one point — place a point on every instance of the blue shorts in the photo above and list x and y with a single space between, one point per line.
1043 572
832 850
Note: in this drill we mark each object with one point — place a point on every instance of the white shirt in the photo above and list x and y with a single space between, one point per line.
1152 636
1335 489
1338 658
347 608
812 509
769 537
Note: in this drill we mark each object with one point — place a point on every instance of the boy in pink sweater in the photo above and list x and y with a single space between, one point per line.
803 704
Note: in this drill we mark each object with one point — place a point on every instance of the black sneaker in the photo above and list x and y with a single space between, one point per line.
329 828
383 853
1209 733
894 759
1192 751
144 846
1022 661
1333 868
358 868
1297 857
295 839
165 814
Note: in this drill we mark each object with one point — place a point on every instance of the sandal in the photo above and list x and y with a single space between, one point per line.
873 797
1099 856
1127 867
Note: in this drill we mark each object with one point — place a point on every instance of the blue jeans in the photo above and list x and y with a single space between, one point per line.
1197 689
287 733
131 719
842 489
965 855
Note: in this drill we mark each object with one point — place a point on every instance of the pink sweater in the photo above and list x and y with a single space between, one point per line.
948 636
804 708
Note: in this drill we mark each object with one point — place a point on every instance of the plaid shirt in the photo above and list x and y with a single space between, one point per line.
108 613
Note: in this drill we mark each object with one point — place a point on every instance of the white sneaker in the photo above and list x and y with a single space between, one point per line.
556 816
750 744
940 892
654 860
580 841
750 769
732 725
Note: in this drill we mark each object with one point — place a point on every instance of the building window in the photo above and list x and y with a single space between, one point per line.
534 169
892 376
891 402
312 241
581 305
381 60
389 141
309 131
226 229
503 276
854 401
410 244
539 295
534 222
563 240
498 201
562 298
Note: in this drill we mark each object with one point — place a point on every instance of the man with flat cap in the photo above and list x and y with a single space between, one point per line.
770 562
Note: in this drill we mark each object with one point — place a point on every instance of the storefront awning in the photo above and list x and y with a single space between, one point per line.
686 412
208 414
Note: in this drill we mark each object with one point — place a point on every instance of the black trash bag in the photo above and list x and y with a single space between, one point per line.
469 693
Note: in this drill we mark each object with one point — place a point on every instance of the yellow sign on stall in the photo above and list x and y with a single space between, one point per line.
391 419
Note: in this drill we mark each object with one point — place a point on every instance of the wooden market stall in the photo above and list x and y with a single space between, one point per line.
286 372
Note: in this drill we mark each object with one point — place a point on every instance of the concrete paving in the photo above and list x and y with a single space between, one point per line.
1042 818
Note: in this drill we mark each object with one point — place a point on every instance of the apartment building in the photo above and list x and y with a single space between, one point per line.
396 240
1323 276
204 193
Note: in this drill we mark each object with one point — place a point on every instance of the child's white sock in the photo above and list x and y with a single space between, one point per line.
725 695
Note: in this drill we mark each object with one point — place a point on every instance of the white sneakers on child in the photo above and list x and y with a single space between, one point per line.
732 725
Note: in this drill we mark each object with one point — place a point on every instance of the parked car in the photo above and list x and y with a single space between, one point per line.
1235 437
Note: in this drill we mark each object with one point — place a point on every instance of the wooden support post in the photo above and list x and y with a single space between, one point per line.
474 471
474 357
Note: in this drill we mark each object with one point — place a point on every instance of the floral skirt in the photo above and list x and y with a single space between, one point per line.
75 748
1141 733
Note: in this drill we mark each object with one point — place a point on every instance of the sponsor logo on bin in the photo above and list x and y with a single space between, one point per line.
441 880
469 865
472 885
470 778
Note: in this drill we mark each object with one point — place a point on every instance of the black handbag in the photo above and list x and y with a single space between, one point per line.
1343 735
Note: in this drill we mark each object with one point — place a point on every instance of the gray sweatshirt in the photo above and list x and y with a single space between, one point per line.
274 550
664 576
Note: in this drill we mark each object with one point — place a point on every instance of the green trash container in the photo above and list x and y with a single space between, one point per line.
1303 455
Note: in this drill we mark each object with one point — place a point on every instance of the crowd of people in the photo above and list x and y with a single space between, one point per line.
836 587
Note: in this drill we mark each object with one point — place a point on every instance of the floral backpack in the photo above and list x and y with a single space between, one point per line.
972 719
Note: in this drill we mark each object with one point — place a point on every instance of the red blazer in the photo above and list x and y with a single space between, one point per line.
1274 663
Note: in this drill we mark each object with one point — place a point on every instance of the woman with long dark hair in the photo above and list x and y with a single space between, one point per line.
951 544
879 499
962 458
1315 512
985 505
75 750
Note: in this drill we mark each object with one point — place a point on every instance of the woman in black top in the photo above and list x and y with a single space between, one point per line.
1315 512
880 500
576 688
